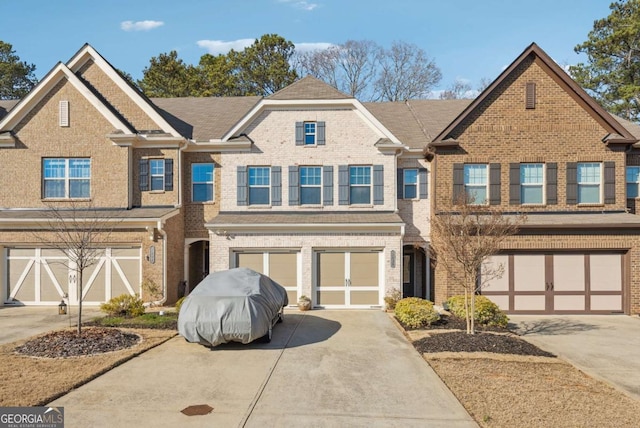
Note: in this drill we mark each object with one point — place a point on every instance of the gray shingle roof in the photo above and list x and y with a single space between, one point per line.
150 213
582 220
204 118
5 106
308 88
311 217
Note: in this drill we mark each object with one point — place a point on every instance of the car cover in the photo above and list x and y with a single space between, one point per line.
236 305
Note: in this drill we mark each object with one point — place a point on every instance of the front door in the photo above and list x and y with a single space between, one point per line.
408 276
348 279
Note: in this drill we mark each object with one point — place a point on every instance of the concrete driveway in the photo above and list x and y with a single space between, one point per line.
322 369
21 322
606 347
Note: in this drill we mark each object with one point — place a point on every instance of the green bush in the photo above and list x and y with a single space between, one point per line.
179 303
415 312
486 312
124 305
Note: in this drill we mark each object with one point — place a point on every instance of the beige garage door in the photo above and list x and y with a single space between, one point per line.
347 279
562 283
44 276
282 267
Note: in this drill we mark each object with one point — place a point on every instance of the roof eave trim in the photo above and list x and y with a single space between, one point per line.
218 146
292 227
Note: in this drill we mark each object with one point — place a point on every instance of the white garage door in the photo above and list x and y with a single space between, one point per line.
44 276
280 266
562 283
348 279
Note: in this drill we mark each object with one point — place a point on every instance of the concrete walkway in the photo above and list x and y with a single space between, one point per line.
606 347
21 322
322 369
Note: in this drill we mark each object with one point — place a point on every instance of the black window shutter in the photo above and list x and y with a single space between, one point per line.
343 185
320 138
552 183
514 184
242 186
609 182
458 182
144 174
276 185
400 183
378 184
572 183
299 133
294 185
494 184
168 174
424 184
327 185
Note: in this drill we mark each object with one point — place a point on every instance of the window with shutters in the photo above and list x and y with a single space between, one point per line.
589 180
532 183
155 174
259 185
310 185
633 181
476 183
309 133
66 178
360 184
410 186
202 182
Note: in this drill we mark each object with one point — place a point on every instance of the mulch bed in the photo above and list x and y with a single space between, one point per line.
67 343
493 339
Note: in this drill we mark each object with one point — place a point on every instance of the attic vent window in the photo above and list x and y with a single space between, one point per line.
530 102
64 113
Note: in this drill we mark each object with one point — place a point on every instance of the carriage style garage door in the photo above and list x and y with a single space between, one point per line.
561 283
347 279
282 267
43 276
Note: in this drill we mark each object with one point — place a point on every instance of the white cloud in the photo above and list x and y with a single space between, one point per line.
215 47
140 25
306 47
301 4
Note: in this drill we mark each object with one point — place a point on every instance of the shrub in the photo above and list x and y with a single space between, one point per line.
179 303
415 312
486 312
124 305
391 298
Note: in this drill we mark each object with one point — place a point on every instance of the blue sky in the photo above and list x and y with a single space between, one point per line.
467 39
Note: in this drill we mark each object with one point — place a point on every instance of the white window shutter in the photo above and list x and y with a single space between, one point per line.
64 113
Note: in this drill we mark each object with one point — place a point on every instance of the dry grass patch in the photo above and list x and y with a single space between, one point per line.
533 392
31 381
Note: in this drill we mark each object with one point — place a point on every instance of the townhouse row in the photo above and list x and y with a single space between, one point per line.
329 196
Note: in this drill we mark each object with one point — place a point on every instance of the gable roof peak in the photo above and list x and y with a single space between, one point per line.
308 88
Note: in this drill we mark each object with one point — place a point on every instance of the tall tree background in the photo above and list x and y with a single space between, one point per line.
612 72
17 77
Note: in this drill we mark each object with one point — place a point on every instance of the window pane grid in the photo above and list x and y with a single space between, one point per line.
633 181
309 132
475 182
310 176
589 183
360 175
532 183
410 184
259 182
67 178
202 182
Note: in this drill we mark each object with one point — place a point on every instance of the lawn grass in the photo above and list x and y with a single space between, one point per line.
148 320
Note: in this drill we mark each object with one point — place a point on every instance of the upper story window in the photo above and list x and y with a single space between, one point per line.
589 183
259 185
310 185
633 181
67 178
360 184
202 182
476 183
410 184
531 183
155 174
310 133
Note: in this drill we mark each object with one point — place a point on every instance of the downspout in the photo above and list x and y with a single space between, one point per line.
163 233
180 162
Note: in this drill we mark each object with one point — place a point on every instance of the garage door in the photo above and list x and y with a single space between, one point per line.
562 283
347 279
282 267
44 276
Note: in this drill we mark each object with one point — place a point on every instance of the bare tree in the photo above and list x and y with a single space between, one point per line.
458 90
484 84
464 239
351 67
406 73
81 232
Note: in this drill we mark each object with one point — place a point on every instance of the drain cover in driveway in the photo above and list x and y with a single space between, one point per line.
197 410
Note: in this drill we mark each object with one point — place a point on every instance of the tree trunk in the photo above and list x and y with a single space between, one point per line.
473 313
466 310
79 290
